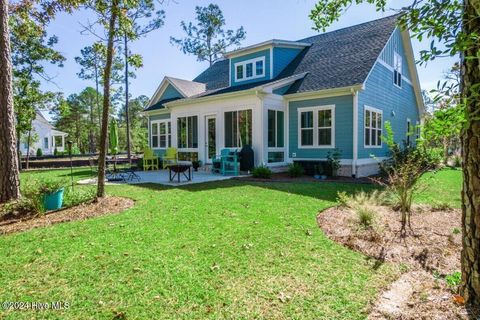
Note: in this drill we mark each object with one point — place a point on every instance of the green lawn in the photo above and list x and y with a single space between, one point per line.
228 249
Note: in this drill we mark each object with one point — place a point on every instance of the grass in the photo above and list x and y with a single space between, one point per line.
228 249
443 187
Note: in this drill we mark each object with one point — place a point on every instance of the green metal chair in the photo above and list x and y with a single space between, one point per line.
170 157
150 160
226 163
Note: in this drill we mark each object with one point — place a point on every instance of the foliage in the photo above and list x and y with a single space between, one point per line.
31 49
454 279
295 170
138 125
208 40
21 208
48 186
78 196
365 216
39 152
404 169
113 137
333 161
362 198
262 172
457 161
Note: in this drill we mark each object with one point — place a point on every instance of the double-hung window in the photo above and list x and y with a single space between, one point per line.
45 143
275 129
250 69
161 134
397 69
373 127
317 127
187 132
238 128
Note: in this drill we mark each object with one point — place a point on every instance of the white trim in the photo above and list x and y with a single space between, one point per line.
397 56
315 127
265 45
390 68
355 133
244 64
157 122
345 162
335 92
372 109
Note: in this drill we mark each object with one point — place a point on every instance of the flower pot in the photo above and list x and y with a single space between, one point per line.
54 200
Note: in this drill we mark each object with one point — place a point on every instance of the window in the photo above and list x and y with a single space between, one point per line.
187 132
317 127
250 69
238 128
373 127
397 69
417 130
45 143
409 131
275 129
161 134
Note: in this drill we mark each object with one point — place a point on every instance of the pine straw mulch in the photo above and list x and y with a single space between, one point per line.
103 206
428 252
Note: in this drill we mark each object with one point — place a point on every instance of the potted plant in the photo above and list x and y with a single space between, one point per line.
52 194
196 164
333 160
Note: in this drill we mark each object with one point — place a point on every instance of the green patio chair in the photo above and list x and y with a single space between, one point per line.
150 160
170 157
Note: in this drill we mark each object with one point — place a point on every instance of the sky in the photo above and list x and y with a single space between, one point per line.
262 20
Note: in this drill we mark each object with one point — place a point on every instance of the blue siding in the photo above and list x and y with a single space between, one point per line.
381 93
170 92
163 116
343 127
282 58
264 53
396 45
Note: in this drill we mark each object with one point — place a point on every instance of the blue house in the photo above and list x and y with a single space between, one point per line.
297 100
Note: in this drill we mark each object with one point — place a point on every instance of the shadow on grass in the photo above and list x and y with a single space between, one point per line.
319 190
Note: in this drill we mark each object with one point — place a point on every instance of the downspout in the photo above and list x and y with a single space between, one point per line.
355 133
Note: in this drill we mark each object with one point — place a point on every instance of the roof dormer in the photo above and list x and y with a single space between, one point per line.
263 61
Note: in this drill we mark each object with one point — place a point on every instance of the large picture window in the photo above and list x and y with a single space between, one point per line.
250 69
238 128
317 127
373 127
187 132
275 129
161 134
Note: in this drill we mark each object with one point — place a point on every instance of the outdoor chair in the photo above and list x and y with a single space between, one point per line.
226 163
170 157
150 161
131 174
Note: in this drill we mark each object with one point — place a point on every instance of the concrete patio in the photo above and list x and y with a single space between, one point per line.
161 177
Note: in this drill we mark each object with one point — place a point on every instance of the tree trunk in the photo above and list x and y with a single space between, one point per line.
470 257
106 100
91 135
127 117
28 148
9 176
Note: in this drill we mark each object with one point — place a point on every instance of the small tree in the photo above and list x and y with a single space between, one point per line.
403 171
208 40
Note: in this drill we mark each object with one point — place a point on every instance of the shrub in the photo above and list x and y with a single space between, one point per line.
457 162
343 198
51 185
263 172
24 207
366 216
295 170
39 152
55 152
361 199
78 196
456 231
333 161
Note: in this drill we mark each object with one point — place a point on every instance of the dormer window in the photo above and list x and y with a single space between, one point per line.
397 69
250 69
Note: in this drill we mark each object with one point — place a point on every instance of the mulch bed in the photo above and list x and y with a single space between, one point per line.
107 205
428 252
284 177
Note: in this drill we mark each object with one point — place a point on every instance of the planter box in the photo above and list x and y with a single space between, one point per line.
53 201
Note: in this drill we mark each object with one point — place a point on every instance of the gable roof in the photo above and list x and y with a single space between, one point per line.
335 59
185 88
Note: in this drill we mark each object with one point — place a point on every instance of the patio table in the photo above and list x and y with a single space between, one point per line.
180 168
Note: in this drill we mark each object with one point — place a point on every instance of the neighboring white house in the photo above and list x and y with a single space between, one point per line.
48 137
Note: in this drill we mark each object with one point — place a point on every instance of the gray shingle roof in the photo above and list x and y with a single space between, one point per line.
189 88
336 59
160 104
